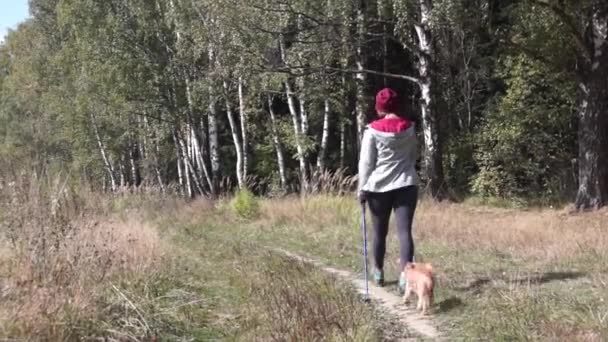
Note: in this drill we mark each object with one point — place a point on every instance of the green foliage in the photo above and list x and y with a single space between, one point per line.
245 205
124 92
526 143
459 163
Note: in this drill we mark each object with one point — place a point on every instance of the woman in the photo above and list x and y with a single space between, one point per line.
388 179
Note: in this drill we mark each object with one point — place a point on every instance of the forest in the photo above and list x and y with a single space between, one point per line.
201 97
184 170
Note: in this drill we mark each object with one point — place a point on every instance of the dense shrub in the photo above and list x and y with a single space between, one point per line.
527 142
245 205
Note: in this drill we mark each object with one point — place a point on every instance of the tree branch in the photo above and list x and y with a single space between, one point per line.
376 73
536 55
312 70
571 24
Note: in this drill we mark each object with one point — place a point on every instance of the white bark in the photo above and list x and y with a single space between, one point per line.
235 139
432 156
191 174
304 116
144 148
133 165
244 136
187 171
133 148
298 136
296 125
194 161
301 83
324 137
213 132
104 155
143 144
360 77
180 172
600 35
277 144
159 174
199 158
342 144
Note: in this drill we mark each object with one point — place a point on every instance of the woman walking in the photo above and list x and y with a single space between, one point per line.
388 180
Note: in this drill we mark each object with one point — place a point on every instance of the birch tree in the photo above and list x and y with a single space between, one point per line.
416 16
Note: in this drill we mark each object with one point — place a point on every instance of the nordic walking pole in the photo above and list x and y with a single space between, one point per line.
364 232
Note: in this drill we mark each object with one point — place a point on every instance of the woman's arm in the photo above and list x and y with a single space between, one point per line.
367 158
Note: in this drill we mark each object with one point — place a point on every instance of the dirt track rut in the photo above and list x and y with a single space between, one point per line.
413 320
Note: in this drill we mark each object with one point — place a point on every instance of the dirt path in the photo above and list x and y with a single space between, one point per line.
421 325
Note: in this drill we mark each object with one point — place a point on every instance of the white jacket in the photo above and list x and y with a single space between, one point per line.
388 160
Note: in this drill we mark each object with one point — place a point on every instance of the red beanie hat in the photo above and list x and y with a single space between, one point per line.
387 101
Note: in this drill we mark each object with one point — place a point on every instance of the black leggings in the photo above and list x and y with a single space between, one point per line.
403 201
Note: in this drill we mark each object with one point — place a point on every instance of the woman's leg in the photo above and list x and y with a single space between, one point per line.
405 201
380 205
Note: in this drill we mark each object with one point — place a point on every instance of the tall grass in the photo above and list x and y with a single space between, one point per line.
503 274
295 302
58 247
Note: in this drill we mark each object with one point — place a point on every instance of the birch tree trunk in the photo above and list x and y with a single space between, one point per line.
235 138
360 77
133 151
433 167
213 132
325 137
191 176
199 157
143 145
301 82
244 136
194 159
104 155
182 162
277 145
159 174
134 169
296 124
342 144
178 162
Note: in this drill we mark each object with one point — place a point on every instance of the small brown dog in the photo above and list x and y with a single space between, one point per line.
420 281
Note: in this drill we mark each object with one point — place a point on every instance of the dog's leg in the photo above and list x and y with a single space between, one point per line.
407 294
425 304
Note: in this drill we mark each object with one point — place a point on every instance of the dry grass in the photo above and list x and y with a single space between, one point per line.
545 234
68 257
57 248
332 182
292 301
503 274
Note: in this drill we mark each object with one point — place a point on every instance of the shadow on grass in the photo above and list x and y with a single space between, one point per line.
391 283
449 304
554 276
477 284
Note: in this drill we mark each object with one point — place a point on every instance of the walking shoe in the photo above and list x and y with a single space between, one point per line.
379 278
402 284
